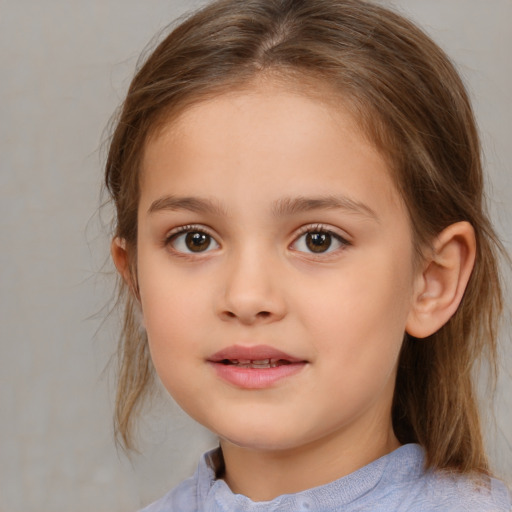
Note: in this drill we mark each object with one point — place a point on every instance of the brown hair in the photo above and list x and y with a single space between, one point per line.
411 103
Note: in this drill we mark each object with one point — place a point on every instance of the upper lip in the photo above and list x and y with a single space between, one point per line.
252 353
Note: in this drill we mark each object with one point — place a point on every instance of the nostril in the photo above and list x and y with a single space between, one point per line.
262 315
249 315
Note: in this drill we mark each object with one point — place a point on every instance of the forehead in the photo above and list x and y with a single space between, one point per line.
261 90
287 137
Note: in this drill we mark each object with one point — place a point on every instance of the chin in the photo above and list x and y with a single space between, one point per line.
265 438
265 443
255 426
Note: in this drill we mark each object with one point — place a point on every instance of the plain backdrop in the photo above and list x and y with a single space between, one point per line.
65 66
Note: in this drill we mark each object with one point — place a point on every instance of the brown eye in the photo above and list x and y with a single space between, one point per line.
197 241
192 241
318 242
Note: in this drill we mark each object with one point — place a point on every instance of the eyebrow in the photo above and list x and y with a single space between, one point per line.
192 204
290 206
282 207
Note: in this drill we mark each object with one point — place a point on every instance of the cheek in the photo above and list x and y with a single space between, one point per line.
362 312
174 316
169 307
171 321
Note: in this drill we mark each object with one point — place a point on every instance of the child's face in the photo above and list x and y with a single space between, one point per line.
268 223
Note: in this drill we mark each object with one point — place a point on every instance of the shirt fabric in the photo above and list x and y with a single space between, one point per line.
396 482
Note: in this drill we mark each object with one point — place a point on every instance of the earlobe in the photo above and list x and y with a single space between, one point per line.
121 261
443 278
121 258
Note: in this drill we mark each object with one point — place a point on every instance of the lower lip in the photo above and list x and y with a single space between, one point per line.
256 378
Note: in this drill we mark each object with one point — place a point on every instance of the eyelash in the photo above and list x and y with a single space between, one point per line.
184 230
305 230
323 230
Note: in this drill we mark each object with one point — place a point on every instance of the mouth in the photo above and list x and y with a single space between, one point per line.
255 367
257 356
257 363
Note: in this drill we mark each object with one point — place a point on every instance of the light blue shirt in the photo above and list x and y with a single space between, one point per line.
396 482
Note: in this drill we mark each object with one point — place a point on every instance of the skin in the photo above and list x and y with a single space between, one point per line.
249 155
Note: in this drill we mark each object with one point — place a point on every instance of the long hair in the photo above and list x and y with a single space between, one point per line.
411 103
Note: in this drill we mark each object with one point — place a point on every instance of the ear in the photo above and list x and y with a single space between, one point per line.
121 260
442 280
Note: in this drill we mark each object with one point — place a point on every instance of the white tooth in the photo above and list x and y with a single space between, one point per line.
264 363
256 363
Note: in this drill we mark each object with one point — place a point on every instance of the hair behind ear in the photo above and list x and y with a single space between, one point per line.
135 368
435 401
135 373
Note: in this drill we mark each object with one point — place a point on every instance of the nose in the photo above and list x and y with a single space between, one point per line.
252 290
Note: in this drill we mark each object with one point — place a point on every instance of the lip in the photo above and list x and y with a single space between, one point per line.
259 377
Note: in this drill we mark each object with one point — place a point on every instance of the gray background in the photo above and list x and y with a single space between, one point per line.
64 68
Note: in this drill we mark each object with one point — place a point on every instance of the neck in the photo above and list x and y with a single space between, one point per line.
263 475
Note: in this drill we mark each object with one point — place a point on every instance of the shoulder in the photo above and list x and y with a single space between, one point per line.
190 494
407 487
181 499
455 492
442 491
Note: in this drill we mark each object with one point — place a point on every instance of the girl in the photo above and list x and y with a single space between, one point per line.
306 259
